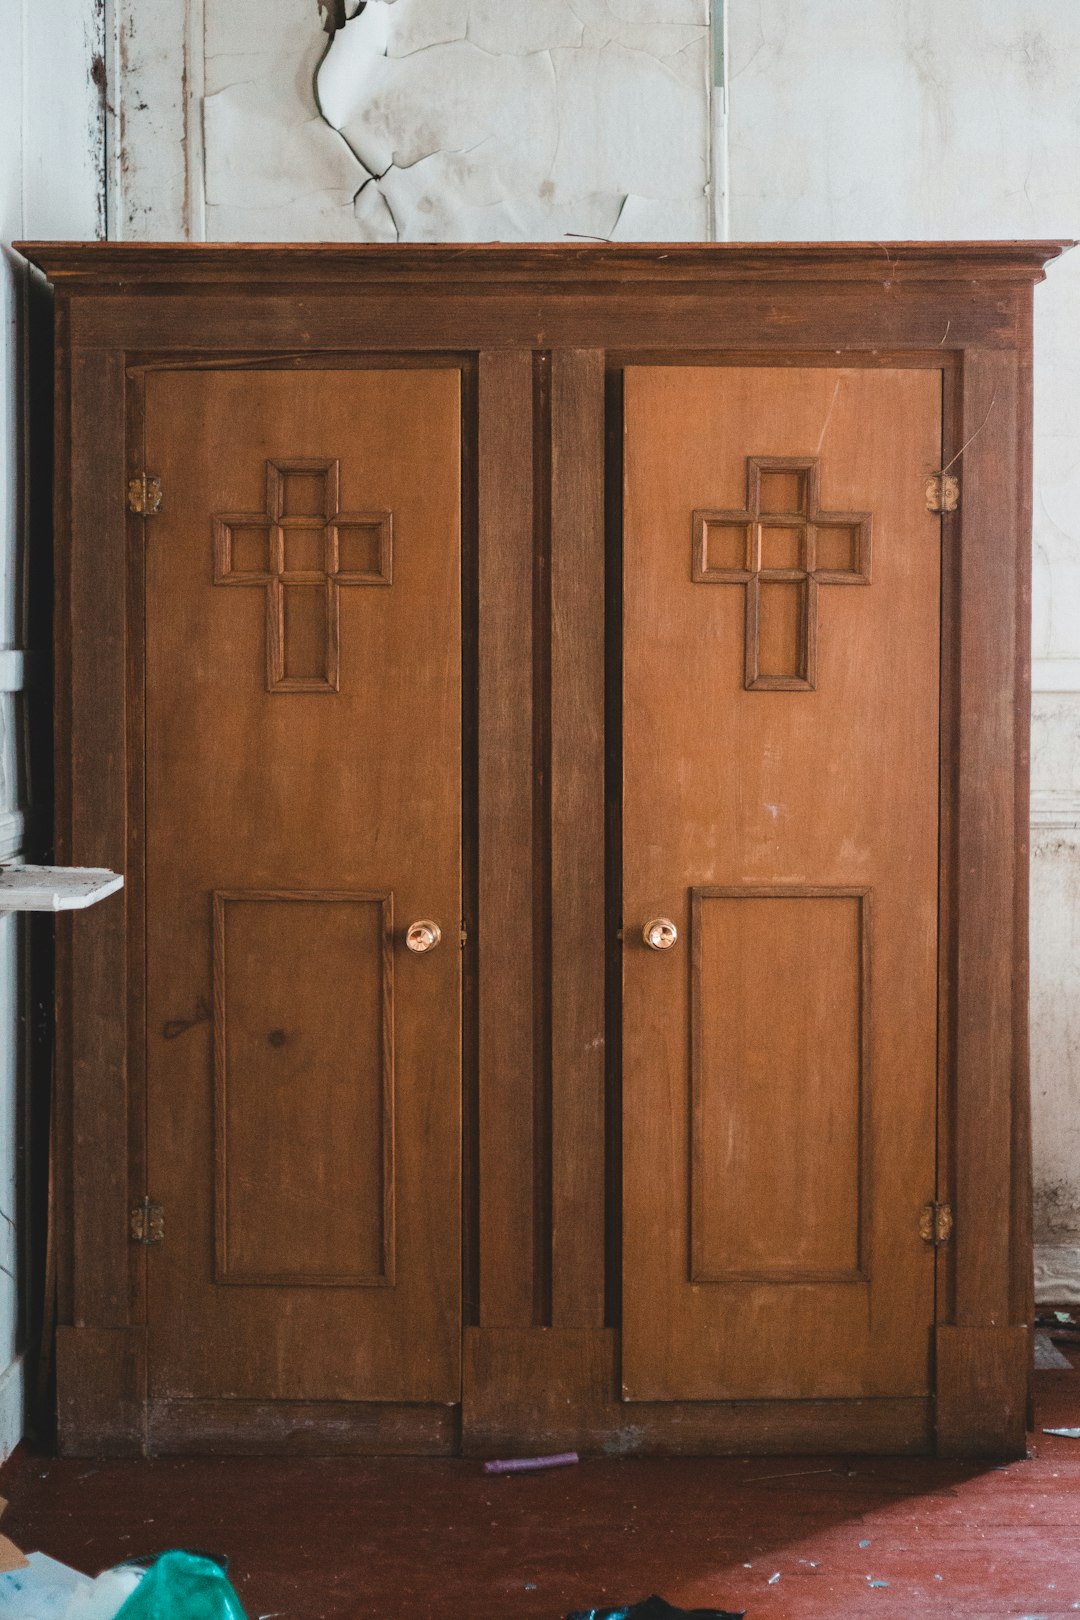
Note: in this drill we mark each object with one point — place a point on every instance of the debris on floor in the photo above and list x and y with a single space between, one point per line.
529 1465
170 1586
655 1608
10 1555
1048 1358
40 1589
1066 1434
1060 1326
182 1586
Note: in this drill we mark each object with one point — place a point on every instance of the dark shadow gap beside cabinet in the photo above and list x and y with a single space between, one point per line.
562 715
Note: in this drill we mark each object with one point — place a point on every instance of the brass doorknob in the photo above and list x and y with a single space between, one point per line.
660 934
423 935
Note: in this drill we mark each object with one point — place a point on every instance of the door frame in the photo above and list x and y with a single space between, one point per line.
531 1369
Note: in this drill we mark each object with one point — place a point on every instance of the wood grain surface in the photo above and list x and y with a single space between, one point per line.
779 1075
303 1065
475 660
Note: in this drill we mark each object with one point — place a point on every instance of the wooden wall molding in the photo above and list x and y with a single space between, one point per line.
445 268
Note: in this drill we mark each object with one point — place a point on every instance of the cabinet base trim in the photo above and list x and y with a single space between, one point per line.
101 1383
300 1429
982 1385
553 1389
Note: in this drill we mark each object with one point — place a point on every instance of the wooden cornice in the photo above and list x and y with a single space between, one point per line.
129 266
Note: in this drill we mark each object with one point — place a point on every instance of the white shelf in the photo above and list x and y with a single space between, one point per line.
55 888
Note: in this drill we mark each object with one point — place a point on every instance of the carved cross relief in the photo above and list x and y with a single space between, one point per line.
781 547
301 550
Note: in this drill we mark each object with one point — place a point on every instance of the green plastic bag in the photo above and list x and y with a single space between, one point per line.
183 1586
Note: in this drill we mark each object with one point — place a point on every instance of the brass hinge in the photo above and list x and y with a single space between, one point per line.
935 1223
463 934
146 1223
144 495
942 493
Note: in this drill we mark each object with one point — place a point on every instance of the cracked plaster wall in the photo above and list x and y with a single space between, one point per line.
466 120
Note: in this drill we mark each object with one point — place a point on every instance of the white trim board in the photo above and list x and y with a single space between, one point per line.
12 1401
1055 808
1055 674
20 668
12 834
55 888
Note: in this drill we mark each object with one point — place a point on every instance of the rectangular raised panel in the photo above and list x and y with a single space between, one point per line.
304 1083
780 1003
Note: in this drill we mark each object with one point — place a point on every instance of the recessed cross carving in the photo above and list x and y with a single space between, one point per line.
781 547
301 550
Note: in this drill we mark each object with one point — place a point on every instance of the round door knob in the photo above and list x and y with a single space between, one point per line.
660 934
423 936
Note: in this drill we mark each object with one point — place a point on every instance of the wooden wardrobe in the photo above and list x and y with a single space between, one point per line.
562 714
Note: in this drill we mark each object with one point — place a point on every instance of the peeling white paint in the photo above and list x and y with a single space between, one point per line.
466 120
274 170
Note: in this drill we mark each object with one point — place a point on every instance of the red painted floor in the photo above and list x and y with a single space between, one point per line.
439 1540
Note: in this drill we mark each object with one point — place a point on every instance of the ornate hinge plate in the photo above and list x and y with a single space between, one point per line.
936 1224
144 496
146 1223
942 493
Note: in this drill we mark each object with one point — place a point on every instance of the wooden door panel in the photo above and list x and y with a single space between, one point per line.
303 706
780 804
304 1165
779 998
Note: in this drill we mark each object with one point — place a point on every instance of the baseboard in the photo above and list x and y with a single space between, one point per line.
12 1406
1057 1274
300 1429
530 1390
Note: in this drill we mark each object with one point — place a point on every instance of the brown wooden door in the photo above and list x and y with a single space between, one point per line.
303 723
781 664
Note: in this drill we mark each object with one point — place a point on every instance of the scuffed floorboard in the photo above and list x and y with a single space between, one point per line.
437 1540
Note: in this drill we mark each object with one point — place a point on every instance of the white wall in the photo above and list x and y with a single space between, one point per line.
477 119
50 184
444 120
